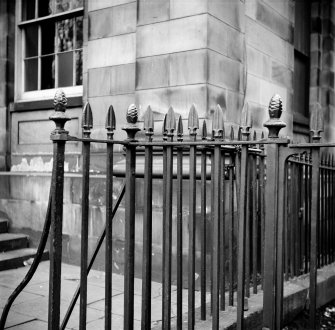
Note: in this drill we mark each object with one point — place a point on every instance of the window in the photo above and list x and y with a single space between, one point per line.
301 61
51 45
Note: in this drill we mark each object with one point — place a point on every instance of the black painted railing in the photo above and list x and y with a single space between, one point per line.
269 216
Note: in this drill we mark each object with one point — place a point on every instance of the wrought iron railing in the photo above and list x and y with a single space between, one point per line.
257 228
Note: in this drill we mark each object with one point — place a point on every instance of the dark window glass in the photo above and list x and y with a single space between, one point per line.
31 41
65 35
301 84
31 69
65 69
79 67
79 32
43 8
28 10
48 37
47 72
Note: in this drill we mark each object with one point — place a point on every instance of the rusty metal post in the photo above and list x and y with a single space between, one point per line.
59 137
129 253
273 226
316 127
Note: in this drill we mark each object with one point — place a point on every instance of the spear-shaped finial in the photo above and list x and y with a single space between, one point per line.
180 129
170 122
274 124
87 120
246 121
218 125
193 121
316 121
204 130
110 122
149 122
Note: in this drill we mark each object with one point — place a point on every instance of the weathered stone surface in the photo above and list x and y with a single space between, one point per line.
275 22
264 40
187 8
188 68
217 35
3 131
267 90
284 7
234 106
229 11
114 80
216 96
224 72
151 11
100 4
116 50
282 75
253 88
235 48
173 36
112 21
152 72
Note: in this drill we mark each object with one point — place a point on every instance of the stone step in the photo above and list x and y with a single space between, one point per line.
19 258
3 226
9 241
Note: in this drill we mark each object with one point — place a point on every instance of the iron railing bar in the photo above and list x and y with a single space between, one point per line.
203 235
191 246
84 234
231 235
180 238
216 238
109 235
222 236
247 230
94 255
254 225
147 242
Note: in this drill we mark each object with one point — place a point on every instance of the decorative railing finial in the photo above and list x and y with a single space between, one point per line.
87 120
246 121
110 122
316 121
59 116
274 124
132 128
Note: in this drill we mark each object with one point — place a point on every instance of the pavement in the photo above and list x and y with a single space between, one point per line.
30 309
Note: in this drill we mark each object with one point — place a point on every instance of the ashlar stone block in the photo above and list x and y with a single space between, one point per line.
112 21
151 11
116 50
182 8
172 36
100 4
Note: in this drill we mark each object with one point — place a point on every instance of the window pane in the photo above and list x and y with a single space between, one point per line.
48 38
59 6
43 8
79 67
65 35
65 69
31 41
28 10
47 72
301 82
30 82
79 32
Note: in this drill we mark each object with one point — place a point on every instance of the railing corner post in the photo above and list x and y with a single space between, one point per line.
129 263
59 137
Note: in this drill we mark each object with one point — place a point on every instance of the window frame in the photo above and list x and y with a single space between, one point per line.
20 95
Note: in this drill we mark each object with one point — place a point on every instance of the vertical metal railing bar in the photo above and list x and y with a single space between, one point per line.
328 212
262 206
212 222
296 218
300 216
222 242
59 137
170 125
324 214
129 252
180 226
110 126
216 237
164 280
87 123
315 182
241 237
147 224
291 219
247 228
286 237
231 231
332 209
203 225
193 126
255 224
306 213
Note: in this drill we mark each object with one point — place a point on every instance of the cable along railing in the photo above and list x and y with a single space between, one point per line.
236 241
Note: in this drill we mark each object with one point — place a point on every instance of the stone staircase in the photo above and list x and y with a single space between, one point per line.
14 248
